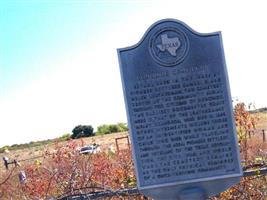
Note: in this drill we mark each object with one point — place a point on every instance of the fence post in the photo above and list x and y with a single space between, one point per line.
263 135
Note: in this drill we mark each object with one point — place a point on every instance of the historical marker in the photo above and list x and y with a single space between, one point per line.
179 113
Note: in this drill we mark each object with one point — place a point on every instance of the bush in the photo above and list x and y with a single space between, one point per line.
82 131
112 128
64 171
64 137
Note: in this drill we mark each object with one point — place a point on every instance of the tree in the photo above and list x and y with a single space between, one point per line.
112 128
103 129
245 121
123 127
82 131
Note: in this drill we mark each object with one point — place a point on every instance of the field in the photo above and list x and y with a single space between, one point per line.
57 169
106 142
263 120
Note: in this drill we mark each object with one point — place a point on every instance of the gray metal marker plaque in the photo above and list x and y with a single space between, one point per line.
179 112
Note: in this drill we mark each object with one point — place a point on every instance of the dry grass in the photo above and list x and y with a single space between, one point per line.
262 116
106 143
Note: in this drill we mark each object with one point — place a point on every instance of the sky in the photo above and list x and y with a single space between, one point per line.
59 66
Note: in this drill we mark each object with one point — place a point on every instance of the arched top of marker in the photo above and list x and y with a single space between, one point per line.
168 42
165 23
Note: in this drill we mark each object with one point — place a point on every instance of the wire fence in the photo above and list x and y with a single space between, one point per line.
135 191
256 170
259 133
101 194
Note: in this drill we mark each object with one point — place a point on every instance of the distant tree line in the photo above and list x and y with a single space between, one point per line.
27 145
88 131
112 128
260 110
78 132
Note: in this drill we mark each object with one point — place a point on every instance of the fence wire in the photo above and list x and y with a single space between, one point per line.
135 191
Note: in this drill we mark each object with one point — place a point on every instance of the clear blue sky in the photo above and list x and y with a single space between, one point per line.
59 66
33 32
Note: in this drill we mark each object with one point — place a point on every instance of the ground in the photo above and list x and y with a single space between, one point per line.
106 142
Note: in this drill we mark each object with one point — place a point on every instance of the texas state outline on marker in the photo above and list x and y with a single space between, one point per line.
169 44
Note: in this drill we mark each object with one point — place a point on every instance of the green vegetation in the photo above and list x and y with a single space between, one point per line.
112 128
78 132
260 110
64 137
25 145
82 131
